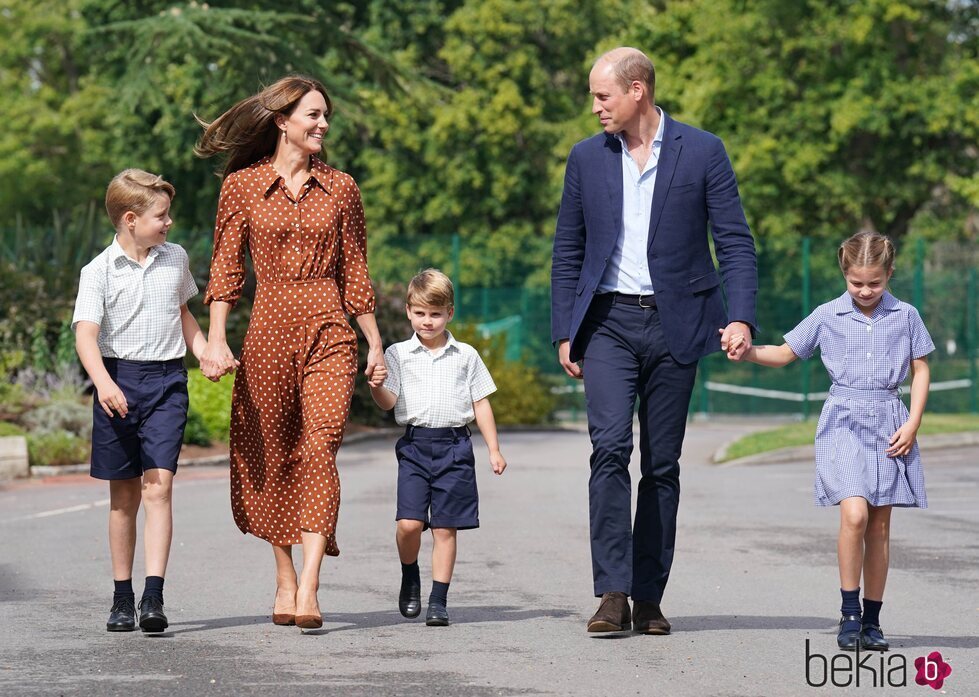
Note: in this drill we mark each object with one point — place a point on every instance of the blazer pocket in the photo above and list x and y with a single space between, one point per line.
706 282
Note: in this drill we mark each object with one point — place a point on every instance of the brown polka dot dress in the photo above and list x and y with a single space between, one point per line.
292 392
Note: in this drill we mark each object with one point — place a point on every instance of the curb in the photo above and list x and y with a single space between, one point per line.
42 471
937 441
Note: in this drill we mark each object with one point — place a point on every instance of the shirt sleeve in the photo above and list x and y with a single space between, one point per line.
353 278
392 383
188 287
481 383
90 302
921 343
227 277
804 339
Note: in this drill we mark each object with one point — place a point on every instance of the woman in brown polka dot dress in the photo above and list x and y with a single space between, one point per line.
302 222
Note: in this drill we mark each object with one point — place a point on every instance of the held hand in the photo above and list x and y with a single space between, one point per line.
903 440
376 371
735 340
217 360
564 358
497 462
112 399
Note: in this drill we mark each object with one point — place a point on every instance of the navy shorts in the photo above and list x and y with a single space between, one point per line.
437 474
151 434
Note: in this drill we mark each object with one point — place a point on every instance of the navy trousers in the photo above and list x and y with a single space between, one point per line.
626 358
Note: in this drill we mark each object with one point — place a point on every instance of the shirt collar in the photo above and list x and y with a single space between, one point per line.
320 173
657 139
844 304
415 344
116 252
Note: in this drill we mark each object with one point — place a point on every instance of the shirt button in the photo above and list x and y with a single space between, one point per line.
868 355
869 328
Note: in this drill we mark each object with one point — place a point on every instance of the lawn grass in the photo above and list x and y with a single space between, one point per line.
804 433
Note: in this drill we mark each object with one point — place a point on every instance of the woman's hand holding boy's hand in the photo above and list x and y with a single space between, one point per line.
112 399
376 371
217 360
903 440
497 462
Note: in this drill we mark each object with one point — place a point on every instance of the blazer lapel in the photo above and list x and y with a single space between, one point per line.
668 155
613 177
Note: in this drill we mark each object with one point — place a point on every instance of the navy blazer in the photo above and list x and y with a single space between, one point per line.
695 185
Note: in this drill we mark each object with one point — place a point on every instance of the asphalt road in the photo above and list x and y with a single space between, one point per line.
754 580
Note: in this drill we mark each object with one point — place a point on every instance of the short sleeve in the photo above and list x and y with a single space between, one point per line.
353 278
188 287
481 383
227 277
90 302
804 339
921 343
392 361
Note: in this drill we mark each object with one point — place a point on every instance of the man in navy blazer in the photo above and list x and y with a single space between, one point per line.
636 301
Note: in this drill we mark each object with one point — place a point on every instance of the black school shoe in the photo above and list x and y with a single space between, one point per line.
122 616
410 599
848 638
872 639
151 617
437 616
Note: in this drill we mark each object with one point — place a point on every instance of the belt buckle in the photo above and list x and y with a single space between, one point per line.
647 307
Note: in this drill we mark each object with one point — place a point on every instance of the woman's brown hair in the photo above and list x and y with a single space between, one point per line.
867 249
247 131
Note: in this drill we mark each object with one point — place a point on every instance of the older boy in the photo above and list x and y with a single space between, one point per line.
132 328
436 385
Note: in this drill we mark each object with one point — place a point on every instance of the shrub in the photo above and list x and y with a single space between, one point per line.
211 403
57 448
196 432
71 417
9 429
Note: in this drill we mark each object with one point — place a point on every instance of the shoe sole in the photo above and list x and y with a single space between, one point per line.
436 623
654 632
602 626
120 628
153 624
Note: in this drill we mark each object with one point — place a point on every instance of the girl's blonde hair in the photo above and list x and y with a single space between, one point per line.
247 131
134 190
431 288
867 249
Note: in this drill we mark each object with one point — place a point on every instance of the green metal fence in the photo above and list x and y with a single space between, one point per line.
938 278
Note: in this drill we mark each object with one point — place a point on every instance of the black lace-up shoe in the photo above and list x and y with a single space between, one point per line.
151 617
122 616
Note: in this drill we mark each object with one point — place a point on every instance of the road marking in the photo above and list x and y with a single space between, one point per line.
60 511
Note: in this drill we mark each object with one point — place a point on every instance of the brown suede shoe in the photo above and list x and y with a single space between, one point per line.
613 614
649 618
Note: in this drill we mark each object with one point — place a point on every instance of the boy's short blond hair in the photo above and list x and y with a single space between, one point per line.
431 288
134 190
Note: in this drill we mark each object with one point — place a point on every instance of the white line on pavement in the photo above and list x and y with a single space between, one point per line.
59 511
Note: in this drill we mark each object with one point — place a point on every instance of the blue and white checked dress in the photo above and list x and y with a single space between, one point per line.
868 359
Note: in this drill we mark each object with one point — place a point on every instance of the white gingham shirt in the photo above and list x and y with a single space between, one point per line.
436 389
136 307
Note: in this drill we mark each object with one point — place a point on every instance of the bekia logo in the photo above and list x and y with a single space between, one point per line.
873 669
932 670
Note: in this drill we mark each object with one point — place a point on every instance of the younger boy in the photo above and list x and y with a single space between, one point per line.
132 328
436 385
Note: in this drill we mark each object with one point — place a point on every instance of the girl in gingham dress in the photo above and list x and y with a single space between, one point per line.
867 459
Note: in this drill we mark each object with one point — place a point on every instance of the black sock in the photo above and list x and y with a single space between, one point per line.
153 588
410 574
851 606
871 611
123 590
440 594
